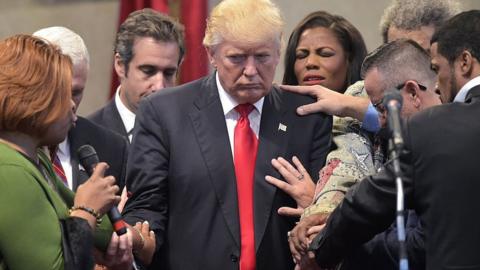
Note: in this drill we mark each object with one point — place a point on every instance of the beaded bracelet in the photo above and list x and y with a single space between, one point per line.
89 210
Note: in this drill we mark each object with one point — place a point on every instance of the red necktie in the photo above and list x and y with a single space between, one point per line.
57 165
245 152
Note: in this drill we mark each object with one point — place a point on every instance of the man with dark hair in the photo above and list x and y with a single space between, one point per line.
149 48
439 166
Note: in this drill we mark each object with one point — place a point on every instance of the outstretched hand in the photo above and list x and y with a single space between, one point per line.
330 102
298 184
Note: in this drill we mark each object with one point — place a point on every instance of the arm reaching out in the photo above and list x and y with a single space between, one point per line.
330 102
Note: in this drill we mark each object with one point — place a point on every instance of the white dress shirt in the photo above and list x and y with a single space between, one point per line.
462 94
231 115
128 117
63 153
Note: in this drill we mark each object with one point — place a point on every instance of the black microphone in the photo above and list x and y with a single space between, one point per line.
89 159
393 101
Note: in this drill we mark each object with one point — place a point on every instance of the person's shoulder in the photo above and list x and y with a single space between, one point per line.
98 132
437 113
9 156
98 115
290 101
181 92
13 163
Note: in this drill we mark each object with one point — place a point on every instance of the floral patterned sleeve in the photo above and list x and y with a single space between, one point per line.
346 165
355 157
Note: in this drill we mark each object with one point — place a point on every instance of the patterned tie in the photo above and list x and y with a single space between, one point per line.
57 165
245 152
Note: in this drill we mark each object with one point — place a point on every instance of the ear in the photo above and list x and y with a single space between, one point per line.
465 61
211 56
119 66
413 93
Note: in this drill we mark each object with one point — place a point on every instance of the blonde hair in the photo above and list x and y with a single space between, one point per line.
244 21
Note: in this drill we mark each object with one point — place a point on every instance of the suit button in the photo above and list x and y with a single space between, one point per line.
234 258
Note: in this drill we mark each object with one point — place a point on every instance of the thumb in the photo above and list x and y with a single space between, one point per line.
290 212
99 170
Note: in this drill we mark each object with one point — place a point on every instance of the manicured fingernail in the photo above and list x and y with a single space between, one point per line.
145 222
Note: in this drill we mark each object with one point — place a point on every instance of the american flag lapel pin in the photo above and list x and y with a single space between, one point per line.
282 127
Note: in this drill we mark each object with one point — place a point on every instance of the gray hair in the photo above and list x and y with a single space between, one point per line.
399 61
69 42
413 14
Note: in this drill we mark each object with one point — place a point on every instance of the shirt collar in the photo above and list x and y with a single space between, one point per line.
63 147
128 117
229 103
462 94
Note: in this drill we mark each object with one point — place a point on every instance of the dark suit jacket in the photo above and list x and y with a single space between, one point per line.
441 183
183 179
109 118
381 252
110 147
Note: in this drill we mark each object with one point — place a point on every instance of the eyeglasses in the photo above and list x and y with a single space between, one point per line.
379 105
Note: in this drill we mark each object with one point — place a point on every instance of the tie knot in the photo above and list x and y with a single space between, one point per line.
53 151
244 109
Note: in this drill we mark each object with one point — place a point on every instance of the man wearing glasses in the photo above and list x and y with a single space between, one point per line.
404 71
401 65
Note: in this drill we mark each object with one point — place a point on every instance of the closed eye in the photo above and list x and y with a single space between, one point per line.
301 54
148 70
237 58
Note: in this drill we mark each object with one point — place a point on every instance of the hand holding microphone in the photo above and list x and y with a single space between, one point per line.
101 190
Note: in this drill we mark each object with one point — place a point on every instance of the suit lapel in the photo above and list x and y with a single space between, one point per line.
473 94
113 119
211 131
77 139
73 140
273 142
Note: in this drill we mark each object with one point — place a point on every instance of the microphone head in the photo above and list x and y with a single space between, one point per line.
88 157
392 96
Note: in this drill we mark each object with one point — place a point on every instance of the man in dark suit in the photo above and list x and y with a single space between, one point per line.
149 48
201 151
440 165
